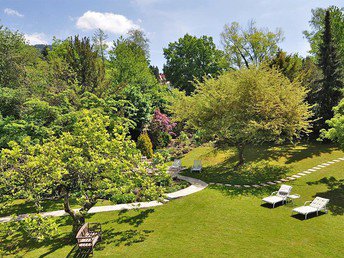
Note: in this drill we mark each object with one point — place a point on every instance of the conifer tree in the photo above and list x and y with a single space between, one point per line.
331 83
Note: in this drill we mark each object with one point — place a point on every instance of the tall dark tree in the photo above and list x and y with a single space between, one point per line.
84 61
331 84
155 71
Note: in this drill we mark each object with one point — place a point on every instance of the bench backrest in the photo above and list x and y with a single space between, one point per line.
284 190
83 230
319 202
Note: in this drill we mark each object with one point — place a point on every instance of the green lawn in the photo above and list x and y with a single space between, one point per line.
218 221
218 165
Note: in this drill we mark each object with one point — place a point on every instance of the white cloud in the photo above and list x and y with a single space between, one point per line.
36 38
110 22
12 12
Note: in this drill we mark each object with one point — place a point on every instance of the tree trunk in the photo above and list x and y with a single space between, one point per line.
78 218
240 149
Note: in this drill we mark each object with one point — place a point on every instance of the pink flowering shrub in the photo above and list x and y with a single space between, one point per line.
161 129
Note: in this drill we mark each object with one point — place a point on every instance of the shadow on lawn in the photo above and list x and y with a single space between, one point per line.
18 243
225 172
335 193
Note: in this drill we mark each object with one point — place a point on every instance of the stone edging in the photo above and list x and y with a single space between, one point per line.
283 180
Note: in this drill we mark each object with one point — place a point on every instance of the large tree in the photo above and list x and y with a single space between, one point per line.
190 59
99 43
247 106
315 35
84 61
87 164
332 83
251 46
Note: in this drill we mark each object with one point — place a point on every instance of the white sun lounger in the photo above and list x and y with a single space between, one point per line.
197 166
177 164
280 196
318 204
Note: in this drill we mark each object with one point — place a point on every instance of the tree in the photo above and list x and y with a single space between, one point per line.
15 55
332 83
84 61
87 164
336 126
290 65
315 36
247 106
133 81
190 59
99 43
252 46
155 71
139 38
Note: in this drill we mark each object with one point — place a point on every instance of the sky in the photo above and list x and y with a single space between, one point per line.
163 21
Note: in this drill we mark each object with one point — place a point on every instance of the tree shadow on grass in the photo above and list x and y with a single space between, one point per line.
292 153
19 242
136 220
335 193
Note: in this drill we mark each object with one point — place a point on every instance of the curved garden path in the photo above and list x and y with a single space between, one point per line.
196 186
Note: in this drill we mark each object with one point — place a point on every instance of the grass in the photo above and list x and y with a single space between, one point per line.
218 221
218 166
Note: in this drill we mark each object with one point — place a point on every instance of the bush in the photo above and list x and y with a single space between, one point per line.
144 144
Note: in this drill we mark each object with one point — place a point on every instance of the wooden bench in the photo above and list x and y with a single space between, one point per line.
88 235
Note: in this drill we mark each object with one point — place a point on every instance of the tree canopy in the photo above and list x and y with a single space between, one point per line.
190 59
248 106
251 46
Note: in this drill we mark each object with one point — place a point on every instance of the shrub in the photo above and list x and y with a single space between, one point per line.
144 144
161 129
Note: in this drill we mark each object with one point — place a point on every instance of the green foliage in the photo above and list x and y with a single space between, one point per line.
99 43
248 106
11 101
332 83
315 36
336 126
290 65
190 59
87 163
145 145
252 46
14 56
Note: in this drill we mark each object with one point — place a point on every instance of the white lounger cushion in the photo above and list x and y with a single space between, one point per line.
305 209
273 199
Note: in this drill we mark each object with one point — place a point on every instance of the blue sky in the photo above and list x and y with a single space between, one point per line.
162 20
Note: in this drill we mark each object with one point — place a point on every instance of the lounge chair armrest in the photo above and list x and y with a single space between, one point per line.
273 193
306 203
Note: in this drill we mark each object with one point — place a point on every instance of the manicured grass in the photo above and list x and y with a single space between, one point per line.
218 165
218 222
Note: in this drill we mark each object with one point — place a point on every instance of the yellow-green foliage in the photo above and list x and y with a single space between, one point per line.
248 106
144 144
